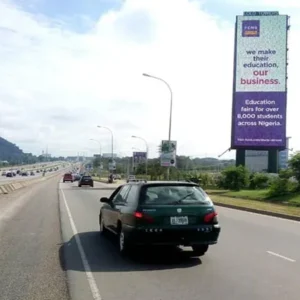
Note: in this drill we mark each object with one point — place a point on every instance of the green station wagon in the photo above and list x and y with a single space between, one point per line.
160 213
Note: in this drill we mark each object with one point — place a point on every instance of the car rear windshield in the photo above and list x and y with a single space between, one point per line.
174 194
86 177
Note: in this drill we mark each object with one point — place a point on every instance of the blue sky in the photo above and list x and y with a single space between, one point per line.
74 13
81 15
78 62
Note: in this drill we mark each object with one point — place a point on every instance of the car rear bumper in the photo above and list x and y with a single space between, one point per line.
198 235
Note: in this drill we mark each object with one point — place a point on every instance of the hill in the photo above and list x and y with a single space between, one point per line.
10 152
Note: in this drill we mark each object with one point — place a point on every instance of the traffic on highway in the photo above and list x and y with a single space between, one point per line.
162 240
20 173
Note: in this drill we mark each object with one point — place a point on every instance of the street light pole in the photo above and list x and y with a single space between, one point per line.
171 112
112 142
147 149
100 148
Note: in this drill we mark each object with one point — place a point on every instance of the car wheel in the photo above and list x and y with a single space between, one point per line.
79 185
63 181
123 243
103 229
199 250
92 185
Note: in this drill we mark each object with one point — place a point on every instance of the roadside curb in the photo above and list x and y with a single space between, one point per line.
257 211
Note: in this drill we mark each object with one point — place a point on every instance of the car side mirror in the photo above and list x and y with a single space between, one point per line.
104 200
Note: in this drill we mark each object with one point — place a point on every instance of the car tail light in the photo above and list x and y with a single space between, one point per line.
140 216
211 218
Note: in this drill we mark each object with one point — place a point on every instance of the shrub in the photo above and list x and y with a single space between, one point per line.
279 187
234 178
259 181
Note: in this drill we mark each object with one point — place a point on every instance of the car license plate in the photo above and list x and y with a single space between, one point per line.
179 220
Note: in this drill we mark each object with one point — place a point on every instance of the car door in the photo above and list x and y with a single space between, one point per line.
107 210
118 205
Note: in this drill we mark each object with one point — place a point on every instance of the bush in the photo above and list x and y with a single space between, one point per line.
259 181
279 187
234 178
294 164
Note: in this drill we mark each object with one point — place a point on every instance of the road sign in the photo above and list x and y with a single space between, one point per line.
168 153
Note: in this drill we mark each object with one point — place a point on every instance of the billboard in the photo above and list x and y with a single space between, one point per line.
260 85
139 157
109 155
168 153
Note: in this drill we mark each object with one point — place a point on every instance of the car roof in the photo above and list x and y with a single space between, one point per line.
162 183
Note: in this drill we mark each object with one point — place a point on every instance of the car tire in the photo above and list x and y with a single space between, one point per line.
199 250
92 185
124 245
63 181
79 185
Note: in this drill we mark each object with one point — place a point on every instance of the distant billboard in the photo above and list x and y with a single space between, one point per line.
260 85
139 157
168 153
108 155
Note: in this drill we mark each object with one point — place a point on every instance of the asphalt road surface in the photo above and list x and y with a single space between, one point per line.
5 180
30 240
258 257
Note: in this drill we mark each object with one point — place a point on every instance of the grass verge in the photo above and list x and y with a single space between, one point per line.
258 200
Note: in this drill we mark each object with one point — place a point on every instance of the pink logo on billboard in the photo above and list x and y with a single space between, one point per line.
250 28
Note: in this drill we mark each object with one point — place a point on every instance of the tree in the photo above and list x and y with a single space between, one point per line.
294 164
96 163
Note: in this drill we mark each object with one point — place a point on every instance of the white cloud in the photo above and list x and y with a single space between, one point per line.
56 86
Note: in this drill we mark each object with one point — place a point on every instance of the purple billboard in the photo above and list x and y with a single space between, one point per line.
260 82
259 119
139 157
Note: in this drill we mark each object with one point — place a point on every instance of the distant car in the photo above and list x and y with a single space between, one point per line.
160 213
4 173
86 180
24 174
76 177
68 177
9 174
32 173
131 178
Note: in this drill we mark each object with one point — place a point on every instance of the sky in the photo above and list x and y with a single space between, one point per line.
68 66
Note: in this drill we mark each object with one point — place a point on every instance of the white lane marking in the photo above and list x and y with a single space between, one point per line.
261 215
86 265
281 256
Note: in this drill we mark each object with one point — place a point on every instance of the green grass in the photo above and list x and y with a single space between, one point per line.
258 199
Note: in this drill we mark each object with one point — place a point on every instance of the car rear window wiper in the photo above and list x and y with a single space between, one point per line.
183 198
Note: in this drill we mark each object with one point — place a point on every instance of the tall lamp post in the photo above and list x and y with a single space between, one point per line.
171 110
100 148
140 138
112 141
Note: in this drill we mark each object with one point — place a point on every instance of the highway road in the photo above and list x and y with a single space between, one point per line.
6 180
258 257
